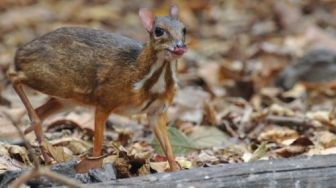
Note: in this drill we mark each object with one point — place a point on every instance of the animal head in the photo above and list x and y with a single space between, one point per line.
167 33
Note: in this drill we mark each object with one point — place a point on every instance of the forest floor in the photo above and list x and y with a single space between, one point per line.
240 97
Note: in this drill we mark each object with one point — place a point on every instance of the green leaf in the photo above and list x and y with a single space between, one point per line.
207 137
180 143
259 152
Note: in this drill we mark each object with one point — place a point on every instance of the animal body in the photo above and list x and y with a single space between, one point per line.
112 73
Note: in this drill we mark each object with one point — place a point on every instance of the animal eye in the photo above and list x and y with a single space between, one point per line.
184 31
159 31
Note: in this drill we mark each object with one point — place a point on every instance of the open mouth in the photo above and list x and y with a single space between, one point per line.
177 51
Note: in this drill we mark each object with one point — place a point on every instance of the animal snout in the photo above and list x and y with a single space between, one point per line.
180 48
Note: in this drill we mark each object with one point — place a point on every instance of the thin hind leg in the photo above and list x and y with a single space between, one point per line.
34 118
52 106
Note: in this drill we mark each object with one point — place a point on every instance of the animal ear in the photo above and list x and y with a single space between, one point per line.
174 12
147 19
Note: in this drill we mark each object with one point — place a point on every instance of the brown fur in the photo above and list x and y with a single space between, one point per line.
97 68
97 71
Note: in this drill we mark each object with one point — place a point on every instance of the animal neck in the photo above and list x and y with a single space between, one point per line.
158 75
147 57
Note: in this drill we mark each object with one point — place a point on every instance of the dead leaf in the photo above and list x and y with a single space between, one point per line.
122 168
77 146
110 159
210 114
144 170
159 166
276 109
277 134
3 150
207 157
321 116
297 91
326 138
302 141
21 152
290 151
59 153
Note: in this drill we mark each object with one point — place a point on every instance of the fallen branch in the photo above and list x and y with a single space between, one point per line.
289 121
308 171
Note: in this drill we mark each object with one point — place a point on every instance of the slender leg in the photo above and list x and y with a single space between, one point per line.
100 120
159 121
96 161
35 120
50 107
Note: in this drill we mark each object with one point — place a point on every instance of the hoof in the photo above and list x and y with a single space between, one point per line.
88 163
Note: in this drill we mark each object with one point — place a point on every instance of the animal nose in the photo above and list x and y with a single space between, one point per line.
180 48
180 44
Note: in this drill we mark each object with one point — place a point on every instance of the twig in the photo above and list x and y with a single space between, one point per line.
289 121
230 130
37 171
297 121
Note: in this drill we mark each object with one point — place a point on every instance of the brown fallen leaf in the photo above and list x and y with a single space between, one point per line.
302 141
210 114
144 170
122 167
75 145
206 157
159 166
278 134
3 150
297 147
140 150
326 138
19 152
290 151
320 116
110 159
276 109
59 153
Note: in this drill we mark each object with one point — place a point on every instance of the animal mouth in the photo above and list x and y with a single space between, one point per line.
178 51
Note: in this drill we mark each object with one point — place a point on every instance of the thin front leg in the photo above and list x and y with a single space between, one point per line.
96 160
159 121
100 120
35 120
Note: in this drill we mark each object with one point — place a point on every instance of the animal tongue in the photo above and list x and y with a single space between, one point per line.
179 51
